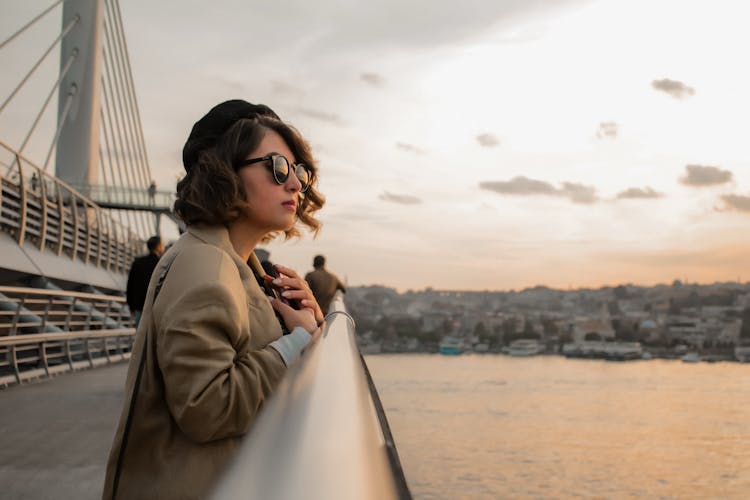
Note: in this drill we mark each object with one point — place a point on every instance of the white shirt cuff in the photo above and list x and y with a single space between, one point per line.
290 346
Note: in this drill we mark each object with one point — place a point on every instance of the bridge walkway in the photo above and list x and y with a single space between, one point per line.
56 434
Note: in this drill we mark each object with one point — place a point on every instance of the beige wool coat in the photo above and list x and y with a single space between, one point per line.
207 370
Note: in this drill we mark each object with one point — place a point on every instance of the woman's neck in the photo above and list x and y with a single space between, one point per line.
244 238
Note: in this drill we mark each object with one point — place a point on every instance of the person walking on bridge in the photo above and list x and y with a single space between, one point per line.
323 283
139 276
210 351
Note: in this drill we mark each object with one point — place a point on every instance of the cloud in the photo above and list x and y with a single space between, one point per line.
320 115
702 175
519 186
373 79
403 199
410 148
487 140
523 186
607 130
635 193
676 89
737 202
578 193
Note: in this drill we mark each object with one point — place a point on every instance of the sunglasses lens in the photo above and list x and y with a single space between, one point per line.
280 169
303 174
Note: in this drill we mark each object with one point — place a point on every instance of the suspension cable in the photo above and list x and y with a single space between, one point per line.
67 29
139 171
109 159
105 103
27 25
112 107
61 122
116 80
106 91
64 72
135 115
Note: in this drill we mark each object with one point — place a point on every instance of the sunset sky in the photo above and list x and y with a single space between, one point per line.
481 144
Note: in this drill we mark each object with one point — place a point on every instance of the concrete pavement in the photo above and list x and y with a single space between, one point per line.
55 434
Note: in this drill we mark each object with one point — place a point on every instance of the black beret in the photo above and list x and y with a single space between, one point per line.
208 129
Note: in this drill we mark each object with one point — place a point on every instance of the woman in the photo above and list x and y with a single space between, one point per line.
209 350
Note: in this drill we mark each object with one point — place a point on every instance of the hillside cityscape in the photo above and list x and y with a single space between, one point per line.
689 321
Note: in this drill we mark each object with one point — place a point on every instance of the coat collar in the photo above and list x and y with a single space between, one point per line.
218 236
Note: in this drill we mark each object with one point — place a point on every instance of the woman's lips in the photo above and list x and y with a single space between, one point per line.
290 205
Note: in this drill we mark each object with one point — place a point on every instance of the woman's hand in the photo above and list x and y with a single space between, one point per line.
296 288
297 317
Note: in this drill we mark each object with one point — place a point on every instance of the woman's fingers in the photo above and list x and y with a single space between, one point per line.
305 318
296 294
297 288
288 271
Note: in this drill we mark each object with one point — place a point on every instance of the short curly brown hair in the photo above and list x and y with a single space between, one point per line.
211 193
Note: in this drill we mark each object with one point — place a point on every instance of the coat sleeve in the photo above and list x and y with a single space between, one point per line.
212 390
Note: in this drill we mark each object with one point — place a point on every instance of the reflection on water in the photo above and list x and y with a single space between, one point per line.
549 427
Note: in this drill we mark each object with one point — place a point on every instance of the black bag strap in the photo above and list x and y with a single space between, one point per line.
136 386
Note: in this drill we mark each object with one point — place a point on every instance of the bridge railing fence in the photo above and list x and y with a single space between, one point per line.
29 357
323 434
39 207
45 332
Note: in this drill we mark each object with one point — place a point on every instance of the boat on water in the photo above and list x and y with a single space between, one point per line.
481 347
691 357
612 351
742 353
451 346
523 348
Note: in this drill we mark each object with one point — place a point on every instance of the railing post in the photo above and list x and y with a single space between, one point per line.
88 352
22 194
47 308
14 362
87 325
105 347
69 353
106 315
17 316
43 199
61 219
115 249
70 314
74 213
87 224
43 353
99 237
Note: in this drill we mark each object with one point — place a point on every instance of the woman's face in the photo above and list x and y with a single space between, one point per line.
271 206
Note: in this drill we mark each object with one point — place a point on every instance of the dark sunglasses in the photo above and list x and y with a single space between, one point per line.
279 166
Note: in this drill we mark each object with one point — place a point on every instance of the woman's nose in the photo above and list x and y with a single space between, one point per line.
292 183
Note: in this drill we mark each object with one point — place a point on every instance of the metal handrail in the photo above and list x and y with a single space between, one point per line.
58 218
319 436
26 311
28 357
119 195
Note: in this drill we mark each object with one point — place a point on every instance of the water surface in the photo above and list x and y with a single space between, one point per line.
493 426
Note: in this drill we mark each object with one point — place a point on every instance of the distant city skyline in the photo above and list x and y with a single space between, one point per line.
479 145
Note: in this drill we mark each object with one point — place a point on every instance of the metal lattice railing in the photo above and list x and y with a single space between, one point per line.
41 208
28 357
33 310
45 332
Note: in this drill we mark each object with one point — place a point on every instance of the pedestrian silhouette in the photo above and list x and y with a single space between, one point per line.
140 275
152 192
323 283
